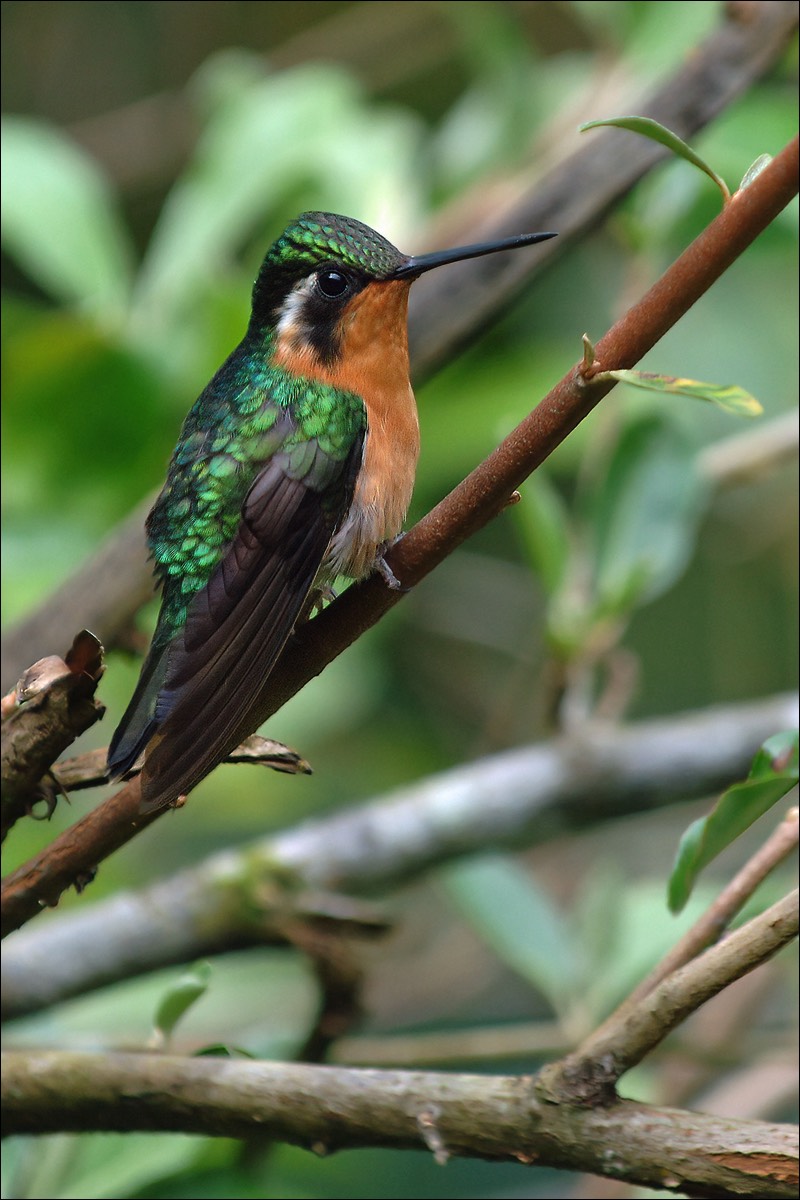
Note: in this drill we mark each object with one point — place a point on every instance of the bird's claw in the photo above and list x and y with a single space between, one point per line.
383 568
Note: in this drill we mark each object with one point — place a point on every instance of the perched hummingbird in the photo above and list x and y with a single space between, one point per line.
295 465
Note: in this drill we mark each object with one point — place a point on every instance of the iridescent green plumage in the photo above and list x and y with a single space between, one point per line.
248 413
315 238
284 475
253 415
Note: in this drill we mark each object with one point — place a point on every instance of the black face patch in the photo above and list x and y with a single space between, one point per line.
311 314
331 291
329 280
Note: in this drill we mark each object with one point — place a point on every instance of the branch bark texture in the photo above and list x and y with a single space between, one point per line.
52 704
331 1108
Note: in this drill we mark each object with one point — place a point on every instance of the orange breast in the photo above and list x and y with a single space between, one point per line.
374 364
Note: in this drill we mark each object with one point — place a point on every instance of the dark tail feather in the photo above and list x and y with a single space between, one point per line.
140 721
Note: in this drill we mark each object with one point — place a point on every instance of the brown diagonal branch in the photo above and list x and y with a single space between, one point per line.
486 491
468 508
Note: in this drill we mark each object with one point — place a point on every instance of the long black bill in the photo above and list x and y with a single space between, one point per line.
420 263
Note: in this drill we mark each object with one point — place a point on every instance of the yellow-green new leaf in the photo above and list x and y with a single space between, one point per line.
178 999
755 169
729 396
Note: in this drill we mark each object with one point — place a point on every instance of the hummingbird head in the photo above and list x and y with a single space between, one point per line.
327 272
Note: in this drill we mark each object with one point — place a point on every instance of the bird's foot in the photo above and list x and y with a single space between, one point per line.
383 568
315 602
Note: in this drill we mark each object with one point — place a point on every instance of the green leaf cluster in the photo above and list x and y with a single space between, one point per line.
627 539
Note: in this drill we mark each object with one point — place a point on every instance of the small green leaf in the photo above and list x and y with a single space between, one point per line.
755 170
519 921
222 1050
179 998
728 396
773 773
658 133
641 516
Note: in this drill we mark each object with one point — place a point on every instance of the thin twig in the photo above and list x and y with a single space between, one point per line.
590 1074
715 920
90 769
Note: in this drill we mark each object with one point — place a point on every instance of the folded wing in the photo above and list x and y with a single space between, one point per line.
218 664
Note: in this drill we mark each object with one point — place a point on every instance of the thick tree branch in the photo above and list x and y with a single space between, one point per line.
52 704
106 592
524 796
331 1108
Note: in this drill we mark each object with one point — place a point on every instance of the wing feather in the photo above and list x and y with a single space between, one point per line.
238 623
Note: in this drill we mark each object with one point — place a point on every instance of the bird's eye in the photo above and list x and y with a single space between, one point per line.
333 284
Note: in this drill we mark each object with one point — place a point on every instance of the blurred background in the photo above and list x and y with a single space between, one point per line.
152 152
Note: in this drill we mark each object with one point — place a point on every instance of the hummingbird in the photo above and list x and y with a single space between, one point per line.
294 466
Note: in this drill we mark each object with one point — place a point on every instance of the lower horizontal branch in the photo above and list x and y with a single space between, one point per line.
330 1108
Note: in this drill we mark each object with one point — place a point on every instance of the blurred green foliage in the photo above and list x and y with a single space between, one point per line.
123 297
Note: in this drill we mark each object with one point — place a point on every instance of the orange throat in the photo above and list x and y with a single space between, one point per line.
373 363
